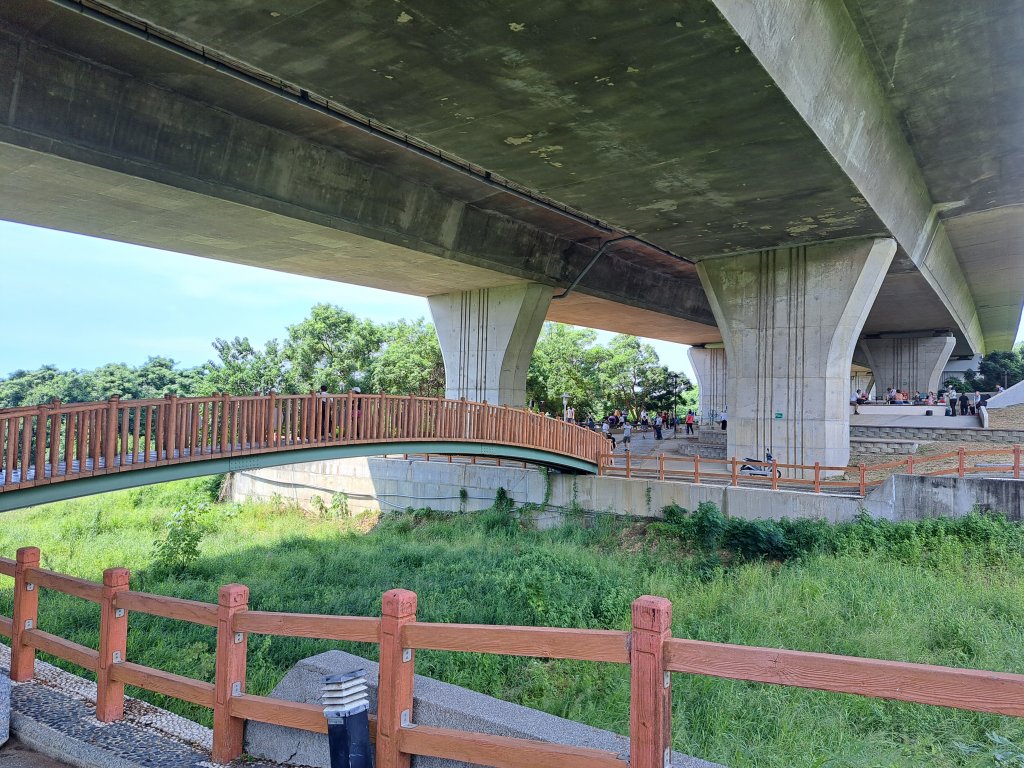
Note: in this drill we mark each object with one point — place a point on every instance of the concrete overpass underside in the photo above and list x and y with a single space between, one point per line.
437 149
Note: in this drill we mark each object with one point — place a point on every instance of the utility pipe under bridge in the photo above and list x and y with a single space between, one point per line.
61 451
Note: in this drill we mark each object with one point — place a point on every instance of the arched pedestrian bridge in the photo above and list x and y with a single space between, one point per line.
53 452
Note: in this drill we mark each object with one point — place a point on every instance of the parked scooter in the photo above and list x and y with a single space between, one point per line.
758 469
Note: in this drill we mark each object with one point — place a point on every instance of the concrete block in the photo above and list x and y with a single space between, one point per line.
436 703
5 708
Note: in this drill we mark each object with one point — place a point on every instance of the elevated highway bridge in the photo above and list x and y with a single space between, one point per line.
794 187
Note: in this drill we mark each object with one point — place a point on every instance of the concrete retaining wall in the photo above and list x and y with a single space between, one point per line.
373 484
939 433
386 484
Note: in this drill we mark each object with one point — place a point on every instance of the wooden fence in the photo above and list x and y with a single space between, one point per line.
649 649
54 442
817 477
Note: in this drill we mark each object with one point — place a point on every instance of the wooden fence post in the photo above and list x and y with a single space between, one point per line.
863 479
960 461
113 644
24 616
661 466
817 477
735 472
629 464
650 689
229 680
696 469
394 689
1016 462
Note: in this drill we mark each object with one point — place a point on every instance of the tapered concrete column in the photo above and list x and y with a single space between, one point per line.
487 337
709 366
790 319
913 364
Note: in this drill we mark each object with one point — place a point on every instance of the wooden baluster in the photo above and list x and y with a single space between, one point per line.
70 438
56 420
696 469
25 615
1016 462
394 689
113 646
97 419
960 469
208 415
229 678
172 426
650 688
40 436
193 434
125 417
110 433
26 447
817 477
160 421
10 447
84 435
225 403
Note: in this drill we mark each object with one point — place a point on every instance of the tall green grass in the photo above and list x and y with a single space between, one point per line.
940 592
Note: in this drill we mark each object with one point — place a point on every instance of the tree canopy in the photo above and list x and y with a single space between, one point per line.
334 348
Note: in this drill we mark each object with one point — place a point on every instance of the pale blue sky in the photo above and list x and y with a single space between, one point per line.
80 302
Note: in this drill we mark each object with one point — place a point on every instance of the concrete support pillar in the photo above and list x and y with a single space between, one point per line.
487 337
790 319
709 366
913 364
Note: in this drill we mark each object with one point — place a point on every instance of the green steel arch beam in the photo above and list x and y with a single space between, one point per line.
115 481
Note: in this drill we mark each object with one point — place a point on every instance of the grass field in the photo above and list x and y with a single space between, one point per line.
941 593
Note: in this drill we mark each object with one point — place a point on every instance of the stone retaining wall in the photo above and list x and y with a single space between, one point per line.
939 434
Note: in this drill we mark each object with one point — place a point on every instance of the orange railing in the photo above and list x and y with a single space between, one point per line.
649 649
54 442
817 477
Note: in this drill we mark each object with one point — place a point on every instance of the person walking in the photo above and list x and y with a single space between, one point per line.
627 434
689 422
606 428
658 423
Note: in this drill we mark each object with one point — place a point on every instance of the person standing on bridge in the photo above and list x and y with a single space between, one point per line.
570 414
606 428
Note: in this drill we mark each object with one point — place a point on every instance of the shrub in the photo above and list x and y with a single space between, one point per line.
179 547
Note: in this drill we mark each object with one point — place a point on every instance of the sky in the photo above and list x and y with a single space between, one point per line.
80 302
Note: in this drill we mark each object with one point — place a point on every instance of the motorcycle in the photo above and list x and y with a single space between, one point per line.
758 469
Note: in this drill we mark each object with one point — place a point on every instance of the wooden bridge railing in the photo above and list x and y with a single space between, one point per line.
54 442
817 477
649 649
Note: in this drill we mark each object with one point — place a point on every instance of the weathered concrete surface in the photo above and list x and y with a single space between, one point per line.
914 364
817 58
710 366
790 320
915 497
389 484
487 338
584 109
435 703
143 145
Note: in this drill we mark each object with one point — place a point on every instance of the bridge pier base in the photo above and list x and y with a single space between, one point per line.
908 363
487 338
790 319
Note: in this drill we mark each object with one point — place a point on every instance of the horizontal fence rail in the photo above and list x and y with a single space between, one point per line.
54 443
815 478
648 648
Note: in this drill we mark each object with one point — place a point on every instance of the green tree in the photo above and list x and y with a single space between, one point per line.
633 379
409 361
1004 368
564 361
241 369
331 348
